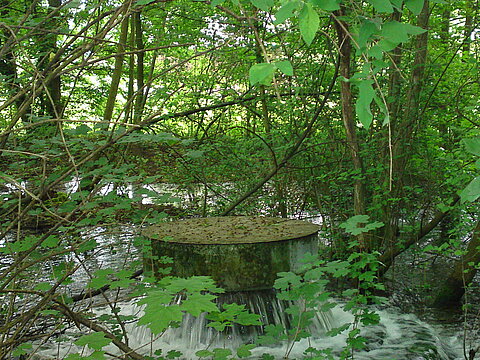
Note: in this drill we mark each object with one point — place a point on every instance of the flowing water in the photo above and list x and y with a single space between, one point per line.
398 336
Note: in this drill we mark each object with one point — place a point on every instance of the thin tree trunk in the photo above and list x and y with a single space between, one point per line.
445 28
415 86
8 66
263 97
139 100
54 107
402 128
389 214
467 31
349 122
131 75
117 71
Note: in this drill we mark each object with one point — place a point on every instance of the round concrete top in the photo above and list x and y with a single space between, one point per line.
230 230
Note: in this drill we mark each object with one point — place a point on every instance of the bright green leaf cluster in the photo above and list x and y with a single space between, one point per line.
360 224
95 340
160 312
262 74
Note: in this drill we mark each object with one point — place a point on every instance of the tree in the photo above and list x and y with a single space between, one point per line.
344 107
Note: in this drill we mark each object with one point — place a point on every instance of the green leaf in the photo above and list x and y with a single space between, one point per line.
192 284
327 5
366 31
74 357
261 74
364 100
72 4
50 313
197 303
309 23
95 341
87 246
173 354
195 154
247 318
22 349
397 4
50 242
244 350
338 330
217 325
123 284
376 51
203 353
395 32
100 278
156 298
472 145
412 29
352 225
471 191
285 279
286 12
216 3
267 357
159 318
43 286
221 354
415 6
82 130
96 355
285 67
264 5
382 6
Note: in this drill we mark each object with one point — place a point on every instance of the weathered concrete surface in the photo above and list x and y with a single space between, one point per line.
238 252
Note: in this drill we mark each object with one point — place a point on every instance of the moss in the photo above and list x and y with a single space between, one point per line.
234 265
231 230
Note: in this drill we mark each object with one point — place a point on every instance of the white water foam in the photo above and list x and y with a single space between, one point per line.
397 336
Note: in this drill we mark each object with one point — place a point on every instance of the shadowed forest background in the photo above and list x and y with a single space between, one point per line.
363 115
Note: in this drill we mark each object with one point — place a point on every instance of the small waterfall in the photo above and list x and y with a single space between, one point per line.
398 336
195 334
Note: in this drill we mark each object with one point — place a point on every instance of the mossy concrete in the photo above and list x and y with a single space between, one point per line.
239 252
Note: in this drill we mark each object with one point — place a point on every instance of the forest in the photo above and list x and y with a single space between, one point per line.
361 116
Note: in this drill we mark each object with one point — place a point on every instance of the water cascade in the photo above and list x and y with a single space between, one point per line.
243 255
398 336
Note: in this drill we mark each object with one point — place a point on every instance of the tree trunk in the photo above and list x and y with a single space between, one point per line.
128 116
117 71
402 129
54 107
388 256
139 99
467 31
50 98
389 214
349 122
453 288
406 128
8 65
263 97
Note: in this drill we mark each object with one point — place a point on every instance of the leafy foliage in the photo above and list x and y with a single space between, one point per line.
102 104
